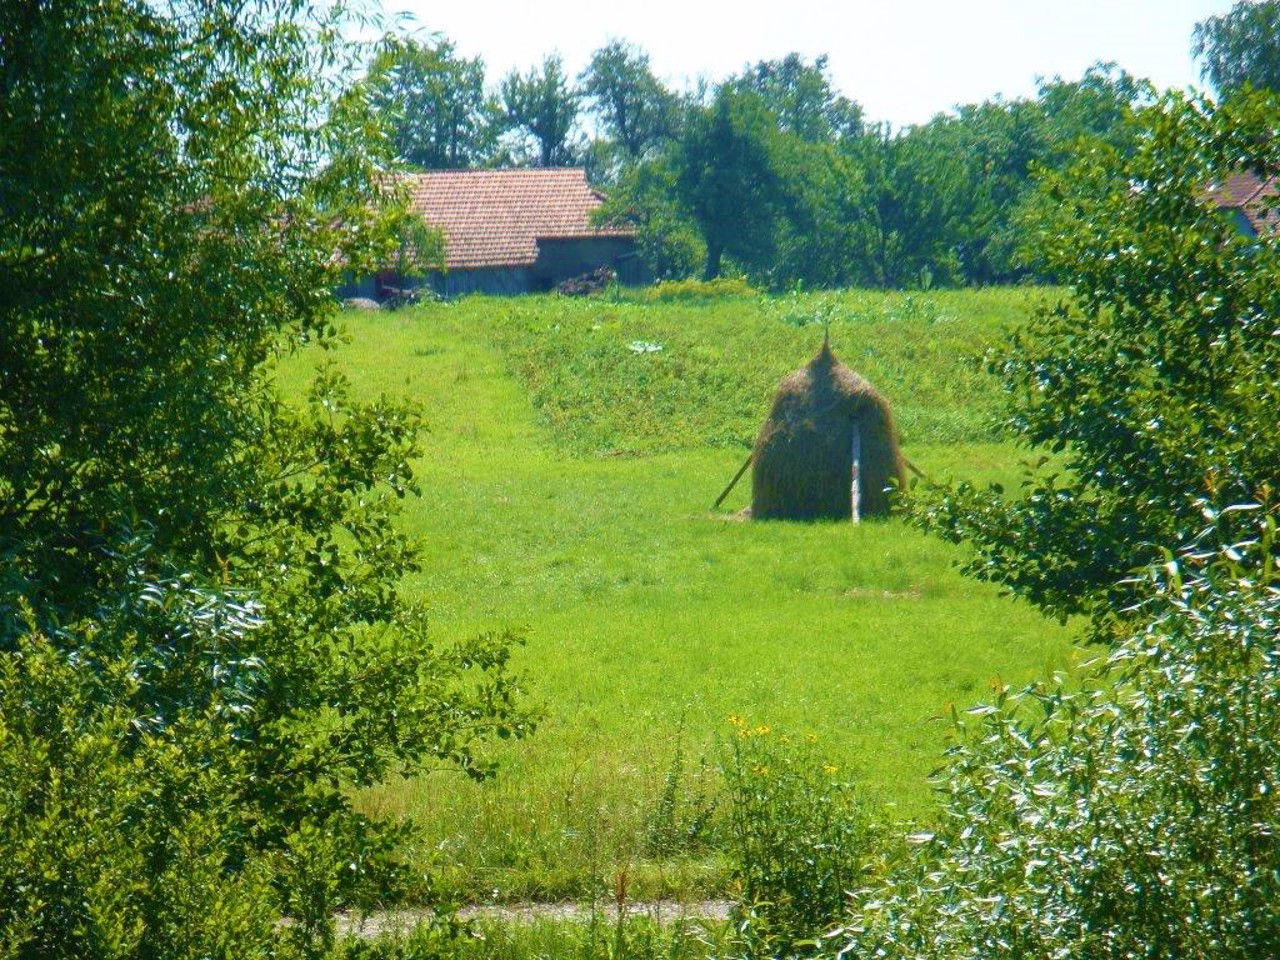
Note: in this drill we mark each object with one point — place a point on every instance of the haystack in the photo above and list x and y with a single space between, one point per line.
825 418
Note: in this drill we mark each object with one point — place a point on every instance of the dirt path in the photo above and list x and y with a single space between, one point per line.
664 911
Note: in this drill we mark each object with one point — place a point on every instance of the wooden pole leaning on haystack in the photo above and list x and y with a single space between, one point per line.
734 482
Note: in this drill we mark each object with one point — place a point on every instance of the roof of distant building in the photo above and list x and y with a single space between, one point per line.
1254 197
495 218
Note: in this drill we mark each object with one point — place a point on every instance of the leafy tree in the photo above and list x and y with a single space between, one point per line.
820 235
1099 105
645 198
1151 387
908 209
988 156
728 178
544 107
800 95
633 106
434 103
210 573
1131 814
1240 47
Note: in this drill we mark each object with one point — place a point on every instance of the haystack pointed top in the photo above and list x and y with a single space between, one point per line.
824 357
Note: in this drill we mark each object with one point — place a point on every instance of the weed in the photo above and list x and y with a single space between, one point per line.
798 836
682 820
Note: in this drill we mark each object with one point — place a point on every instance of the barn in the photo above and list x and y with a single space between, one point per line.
512 231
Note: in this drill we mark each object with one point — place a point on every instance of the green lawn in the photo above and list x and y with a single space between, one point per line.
567 491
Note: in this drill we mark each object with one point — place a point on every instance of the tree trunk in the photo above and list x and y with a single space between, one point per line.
714 253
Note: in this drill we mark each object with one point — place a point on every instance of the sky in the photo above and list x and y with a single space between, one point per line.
903 61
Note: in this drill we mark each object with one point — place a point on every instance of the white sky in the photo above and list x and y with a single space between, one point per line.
902 61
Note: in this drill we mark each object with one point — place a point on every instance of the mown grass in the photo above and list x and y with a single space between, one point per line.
567 490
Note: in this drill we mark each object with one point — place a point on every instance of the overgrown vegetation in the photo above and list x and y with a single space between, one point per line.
1134 817
799 836
1155 378
204 646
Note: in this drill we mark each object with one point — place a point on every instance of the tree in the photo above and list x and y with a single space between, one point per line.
729 180
645 199
1151 388
434 103
210 573
543 106
908 209
800 95
1240 47
631 103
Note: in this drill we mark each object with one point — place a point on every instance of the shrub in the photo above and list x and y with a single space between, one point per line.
1136 816
797 836
122 838
668 290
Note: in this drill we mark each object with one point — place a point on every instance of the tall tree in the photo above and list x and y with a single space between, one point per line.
908 209
632 105
1154 380
544 107
1240 47
209 572
801 96
728 177
434 103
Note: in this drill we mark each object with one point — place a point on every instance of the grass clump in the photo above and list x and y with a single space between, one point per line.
666 291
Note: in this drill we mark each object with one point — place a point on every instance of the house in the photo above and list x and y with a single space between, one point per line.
1247 200
514 231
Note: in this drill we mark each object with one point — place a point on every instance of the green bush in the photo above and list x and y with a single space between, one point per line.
720 287
1152 386
798 837
1133 816
121 838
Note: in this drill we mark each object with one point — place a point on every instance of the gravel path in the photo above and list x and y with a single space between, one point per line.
664 911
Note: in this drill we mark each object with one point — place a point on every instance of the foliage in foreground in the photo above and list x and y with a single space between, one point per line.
1157 379
206 575
798 839
1136 816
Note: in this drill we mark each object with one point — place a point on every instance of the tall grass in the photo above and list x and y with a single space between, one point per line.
567 489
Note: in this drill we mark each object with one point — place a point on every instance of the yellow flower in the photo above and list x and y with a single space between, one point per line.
736 720
762 730
829 768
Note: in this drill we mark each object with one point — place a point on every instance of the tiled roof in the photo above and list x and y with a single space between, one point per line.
494 218
1253 196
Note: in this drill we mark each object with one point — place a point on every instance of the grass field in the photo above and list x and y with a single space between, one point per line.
568 480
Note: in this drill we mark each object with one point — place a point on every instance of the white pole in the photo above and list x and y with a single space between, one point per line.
855 493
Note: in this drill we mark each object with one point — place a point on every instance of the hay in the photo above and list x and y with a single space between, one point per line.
802 462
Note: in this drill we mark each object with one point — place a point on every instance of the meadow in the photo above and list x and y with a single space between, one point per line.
575 448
